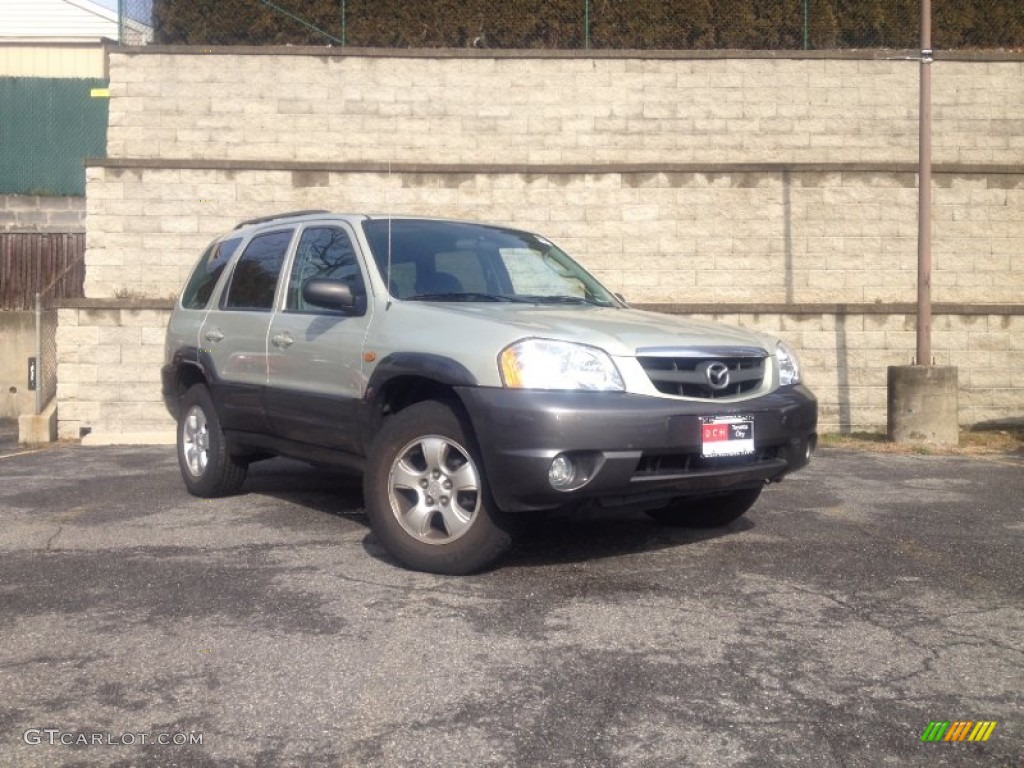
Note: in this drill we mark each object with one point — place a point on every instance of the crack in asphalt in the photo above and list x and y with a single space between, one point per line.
53 538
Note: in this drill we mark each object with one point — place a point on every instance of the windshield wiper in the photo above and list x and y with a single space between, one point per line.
461 296
470 296
563 300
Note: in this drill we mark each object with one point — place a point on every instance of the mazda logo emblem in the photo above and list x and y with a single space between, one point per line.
717 374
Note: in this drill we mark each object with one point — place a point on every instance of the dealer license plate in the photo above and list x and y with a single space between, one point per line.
726 435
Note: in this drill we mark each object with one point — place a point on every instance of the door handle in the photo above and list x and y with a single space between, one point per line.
214 335
282 340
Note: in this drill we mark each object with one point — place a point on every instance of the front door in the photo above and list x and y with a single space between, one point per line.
315 354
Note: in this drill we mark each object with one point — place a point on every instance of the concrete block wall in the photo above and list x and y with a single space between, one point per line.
754 188
33 213
845 356
537 109
754 236
108 385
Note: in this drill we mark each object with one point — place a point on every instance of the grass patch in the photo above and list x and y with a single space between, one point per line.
973 442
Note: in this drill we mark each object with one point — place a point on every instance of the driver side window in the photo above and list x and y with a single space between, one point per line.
324 252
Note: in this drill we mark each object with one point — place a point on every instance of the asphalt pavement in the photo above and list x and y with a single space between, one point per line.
858 602
8 435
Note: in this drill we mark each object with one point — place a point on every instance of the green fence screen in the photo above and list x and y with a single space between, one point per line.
48 126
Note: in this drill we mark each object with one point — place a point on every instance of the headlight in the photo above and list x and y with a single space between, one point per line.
544 364
789 366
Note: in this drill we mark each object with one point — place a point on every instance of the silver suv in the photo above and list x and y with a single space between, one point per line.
471 373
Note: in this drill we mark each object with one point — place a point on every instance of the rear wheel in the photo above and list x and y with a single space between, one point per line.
426 495
206 466
707 511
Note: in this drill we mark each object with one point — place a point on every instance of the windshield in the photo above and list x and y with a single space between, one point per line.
454 261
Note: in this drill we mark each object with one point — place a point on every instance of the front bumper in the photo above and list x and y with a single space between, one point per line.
631 447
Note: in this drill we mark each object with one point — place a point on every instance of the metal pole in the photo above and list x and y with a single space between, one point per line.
924 212
807 37
586 25
39 355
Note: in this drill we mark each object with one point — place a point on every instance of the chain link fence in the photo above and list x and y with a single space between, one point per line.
46 353
135 21
66 280
575 24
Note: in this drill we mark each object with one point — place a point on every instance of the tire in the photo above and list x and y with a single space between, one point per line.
426 494
707 511
206 466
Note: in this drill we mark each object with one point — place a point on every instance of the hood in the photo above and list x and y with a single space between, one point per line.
620 332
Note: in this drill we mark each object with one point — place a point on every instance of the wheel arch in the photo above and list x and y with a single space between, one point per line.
407 378
184 371
188 375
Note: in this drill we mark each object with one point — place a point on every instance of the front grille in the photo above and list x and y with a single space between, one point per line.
701 372
654 465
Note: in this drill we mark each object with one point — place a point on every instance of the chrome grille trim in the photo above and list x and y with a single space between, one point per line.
682 372
707 353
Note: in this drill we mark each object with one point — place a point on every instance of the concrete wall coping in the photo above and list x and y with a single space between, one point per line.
144 163
902 308
868 54
141 303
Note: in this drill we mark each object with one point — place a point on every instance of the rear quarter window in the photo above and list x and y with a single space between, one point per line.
207 272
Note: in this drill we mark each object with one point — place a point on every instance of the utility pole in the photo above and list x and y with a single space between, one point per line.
924 194
923 404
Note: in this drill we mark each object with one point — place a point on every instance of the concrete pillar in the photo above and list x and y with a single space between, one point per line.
923 404
42 428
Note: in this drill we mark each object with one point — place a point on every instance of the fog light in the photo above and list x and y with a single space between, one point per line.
561 473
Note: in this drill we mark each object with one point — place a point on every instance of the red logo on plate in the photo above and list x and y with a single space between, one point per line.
713 433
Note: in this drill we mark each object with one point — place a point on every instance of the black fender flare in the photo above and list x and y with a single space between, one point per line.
187 358
438 368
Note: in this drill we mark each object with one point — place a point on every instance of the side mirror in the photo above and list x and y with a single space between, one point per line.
330 294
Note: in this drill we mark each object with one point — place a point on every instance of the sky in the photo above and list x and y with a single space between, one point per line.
136 8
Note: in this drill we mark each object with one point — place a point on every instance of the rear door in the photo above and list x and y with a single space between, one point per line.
315 354
234 333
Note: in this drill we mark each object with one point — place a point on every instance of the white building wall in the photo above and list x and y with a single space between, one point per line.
56 19
75 60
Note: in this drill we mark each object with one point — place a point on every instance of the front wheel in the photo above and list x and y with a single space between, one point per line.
707 511
426 495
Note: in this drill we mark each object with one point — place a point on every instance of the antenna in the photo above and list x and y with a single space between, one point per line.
387 277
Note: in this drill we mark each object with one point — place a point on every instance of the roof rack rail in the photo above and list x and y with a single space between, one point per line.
275 216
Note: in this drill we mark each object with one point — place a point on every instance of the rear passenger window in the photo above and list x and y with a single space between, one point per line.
255 276
207 272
